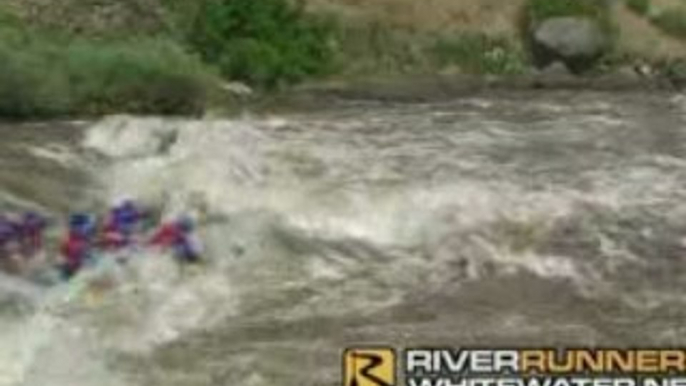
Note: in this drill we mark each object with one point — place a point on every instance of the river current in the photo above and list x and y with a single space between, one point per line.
550 218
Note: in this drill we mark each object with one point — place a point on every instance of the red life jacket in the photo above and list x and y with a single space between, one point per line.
111 237
168 235
74 249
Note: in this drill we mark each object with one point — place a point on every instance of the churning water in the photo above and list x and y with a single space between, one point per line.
518 219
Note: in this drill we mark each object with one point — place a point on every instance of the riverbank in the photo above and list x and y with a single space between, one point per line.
70 58
436 89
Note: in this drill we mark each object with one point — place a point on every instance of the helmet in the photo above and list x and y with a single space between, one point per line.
81 222
127 205
185 224
78 219
33 218
30 215
6 228
125 211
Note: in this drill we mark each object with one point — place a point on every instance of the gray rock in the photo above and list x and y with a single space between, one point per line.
237 89
557 69
576 41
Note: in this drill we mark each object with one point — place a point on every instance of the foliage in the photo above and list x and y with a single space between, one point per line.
266 43
375 48
641 7
544 9
672 21
48 75
479 54
148 76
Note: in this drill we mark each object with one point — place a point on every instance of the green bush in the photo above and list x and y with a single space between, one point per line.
672 21
180 15
148 76
641 7
30 82
479 54
266 43
27 87
49 74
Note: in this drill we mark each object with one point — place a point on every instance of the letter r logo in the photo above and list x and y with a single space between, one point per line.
369 367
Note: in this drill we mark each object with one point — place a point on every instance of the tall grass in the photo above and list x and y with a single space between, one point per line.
374 48
544 9
672 21
150 76
640 7
479 54
45 74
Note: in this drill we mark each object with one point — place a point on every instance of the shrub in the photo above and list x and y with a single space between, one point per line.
266 42
479 54
48 74
24 90
180 16
672 21
641 7
30 85
148 76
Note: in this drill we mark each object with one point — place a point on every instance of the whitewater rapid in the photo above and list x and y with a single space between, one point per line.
512 219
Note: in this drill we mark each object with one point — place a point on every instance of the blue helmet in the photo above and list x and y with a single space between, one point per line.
78 219
7 229
127 211
32 218
185 224
30 215
128 205
81 222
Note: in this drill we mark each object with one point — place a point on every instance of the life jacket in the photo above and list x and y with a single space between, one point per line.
169 235
112 236
8 236
32 232
74 249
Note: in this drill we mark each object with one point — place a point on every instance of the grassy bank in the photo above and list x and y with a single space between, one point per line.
376 49
78 57
81 67
49 73
672 21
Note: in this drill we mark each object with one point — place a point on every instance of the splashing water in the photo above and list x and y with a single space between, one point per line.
508 220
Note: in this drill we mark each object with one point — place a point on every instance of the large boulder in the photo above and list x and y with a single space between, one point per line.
576 41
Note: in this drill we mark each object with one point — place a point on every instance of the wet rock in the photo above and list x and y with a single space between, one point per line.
631 73
237 89
553 75
576 41
556 69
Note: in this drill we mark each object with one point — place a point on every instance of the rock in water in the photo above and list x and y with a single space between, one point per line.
576 41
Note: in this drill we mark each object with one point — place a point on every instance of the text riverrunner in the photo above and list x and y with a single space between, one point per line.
515 367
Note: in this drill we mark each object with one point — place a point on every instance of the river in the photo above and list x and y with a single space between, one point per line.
522 218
